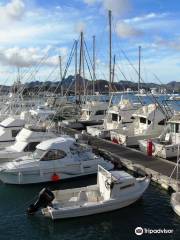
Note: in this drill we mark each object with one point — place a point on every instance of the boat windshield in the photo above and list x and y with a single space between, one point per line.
38 153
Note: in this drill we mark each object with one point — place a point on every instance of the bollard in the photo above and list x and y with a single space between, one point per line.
149 147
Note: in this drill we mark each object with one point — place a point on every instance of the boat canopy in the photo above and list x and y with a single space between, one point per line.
63 143
12 122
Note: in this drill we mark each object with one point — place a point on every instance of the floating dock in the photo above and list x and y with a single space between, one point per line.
134 160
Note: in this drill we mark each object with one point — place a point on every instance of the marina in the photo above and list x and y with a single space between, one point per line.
89 120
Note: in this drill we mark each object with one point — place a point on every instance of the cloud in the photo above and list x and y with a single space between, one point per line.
168 44
126 30
80 27
116 6
12 11
146 17
91 2
28 57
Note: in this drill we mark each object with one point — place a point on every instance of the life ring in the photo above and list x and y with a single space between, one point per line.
55 177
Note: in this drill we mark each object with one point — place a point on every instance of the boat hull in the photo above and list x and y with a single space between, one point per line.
106 206
175 204
160 150
40 176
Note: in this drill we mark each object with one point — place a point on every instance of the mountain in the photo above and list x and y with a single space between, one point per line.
100 85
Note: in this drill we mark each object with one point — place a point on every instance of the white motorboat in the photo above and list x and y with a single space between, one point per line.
92 113
114 190
118 116
149 122
166 145
42 112
175 197
54 159
25 143
9 128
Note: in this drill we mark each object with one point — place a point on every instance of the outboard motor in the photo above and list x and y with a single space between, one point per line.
45 199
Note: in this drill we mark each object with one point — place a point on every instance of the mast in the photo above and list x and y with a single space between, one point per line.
139 72
75 84
94 62
110 49
60 70
113 70
80 65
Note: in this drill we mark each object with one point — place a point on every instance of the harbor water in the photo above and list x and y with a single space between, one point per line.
153 211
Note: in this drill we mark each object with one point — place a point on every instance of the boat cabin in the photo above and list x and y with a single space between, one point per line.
93 110
149 118
9 128
28 139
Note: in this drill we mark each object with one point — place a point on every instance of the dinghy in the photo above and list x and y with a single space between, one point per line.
114 190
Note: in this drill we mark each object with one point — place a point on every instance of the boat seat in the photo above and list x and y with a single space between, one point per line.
83 196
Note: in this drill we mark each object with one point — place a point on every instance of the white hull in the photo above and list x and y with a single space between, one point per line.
98 131
4 144
98 207
160 150
129 140
45 175
9 157
175 202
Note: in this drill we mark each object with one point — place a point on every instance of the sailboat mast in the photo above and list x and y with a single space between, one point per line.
61 77
139 75
75 83
113 71
110 49
94 62
80 65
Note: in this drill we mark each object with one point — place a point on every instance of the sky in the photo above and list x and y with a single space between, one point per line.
34 33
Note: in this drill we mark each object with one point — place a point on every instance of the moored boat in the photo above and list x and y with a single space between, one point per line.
54 159
114 190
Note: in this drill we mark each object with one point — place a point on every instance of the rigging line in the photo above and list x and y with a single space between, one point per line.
88 70
21 90
47 78
154 98
64 75
67 65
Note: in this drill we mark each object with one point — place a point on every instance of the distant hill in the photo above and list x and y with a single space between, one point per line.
100 85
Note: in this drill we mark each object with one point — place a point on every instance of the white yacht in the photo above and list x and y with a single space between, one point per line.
118 116
149 122
54 159
92 113
114 190
166 145
25 143
42 112
9 128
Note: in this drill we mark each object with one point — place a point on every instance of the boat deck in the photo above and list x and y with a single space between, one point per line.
134 160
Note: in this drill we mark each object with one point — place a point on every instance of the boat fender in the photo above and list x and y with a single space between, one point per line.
114 140
55 177
45 199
